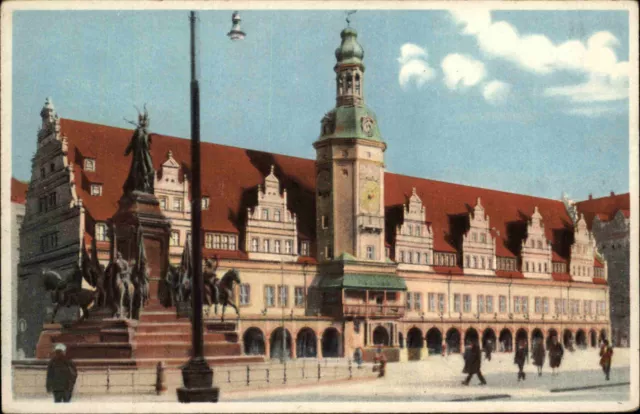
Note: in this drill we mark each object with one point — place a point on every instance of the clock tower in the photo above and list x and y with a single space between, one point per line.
350 166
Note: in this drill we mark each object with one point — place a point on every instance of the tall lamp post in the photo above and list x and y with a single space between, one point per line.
197 376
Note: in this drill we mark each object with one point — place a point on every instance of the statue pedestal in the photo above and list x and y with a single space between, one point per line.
140 212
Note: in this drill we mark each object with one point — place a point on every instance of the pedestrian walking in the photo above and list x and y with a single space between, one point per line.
606 352
538 355
488 348
444 349
381 359
61 375
520 358
555 355
357 357
472 362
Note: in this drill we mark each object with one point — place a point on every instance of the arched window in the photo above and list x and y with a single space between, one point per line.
349 83
358 84
340 84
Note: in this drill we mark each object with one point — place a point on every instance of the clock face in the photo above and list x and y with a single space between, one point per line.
370 197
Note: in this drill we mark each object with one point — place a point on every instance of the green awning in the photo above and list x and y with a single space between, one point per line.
365 281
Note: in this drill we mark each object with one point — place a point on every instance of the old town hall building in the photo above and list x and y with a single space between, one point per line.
336 251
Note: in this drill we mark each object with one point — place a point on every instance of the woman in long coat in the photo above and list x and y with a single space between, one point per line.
606 352
555 355
472 361
538 355
519 358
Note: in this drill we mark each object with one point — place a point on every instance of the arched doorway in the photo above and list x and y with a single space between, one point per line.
506 340
330 343
567 339
489 339
550 335
253 340
470 336
581 339
306 344
453 340
537 336
415 343
521 335
280 344
434 341
594 338
381 336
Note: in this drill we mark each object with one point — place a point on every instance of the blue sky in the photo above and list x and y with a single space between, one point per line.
534 102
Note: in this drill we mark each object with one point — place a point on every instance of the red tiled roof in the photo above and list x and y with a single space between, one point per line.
231 175
561 277
605 207
597 263
18 191
555 257
599 281
509 274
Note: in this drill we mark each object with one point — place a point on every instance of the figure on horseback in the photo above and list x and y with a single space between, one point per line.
66 293
225 292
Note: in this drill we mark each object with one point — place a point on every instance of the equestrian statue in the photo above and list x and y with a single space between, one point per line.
67 293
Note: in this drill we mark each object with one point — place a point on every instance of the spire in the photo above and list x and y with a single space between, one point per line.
349 69
50 120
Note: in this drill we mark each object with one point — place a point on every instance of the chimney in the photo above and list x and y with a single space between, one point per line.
590 196
612 194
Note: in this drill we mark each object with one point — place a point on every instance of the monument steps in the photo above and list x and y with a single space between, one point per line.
177 336
166 350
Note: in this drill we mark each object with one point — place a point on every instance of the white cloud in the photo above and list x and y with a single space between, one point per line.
496 92
536 53
462 71
414 66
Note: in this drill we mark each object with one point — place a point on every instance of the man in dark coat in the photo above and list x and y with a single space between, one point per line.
472 361
520 358
555 355
61 375
488 348
538 355
606 352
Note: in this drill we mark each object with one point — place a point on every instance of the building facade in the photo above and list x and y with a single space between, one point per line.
334 253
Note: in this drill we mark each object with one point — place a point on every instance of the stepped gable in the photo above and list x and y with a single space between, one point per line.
605 208
448 205
231 175
18 191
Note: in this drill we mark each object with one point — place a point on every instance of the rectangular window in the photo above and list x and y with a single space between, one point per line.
417 301
52 200
270 296
216 241
89 164
232 243
525 304
96 189
503 304
283 296
254 244
483 238
431 302
276 246
276 215
299 296
101 232
177 204
370 253
225 242
175 238
208 240
545 305
265 214
304 248
564 306
538 305
324 221
409 300
516 304
558 306
287 247
489 300
265 246
480 304
163 202
467 303
441 304
245 294
456 302
53 240
205 203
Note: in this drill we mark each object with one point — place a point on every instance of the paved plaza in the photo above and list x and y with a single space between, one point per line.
438 379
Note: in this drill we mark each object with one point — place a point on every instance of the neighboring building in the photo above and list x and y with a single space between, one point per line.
18 199
609 218
336 249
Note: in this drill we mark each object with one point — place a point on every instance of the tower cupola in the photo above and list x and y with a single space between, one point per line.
349 69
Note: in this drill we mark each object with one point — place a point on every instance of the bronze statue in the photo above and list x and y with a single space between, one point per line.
65 293
120 274
210 281
140 277
141 173
225 291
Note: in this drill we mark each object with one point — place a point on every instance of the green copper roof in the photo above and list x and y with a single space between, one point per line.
355 121
350 52
365 281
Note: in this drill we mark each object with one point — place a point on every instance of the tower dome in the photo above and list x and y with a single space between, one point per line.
350 52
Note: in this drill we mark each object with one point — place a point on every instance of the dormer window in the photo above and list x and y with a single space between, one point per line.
96 189
101 232
89 164
205 203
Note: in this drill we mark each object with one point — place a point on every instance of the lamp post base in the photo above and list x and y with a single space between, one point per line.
198 382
